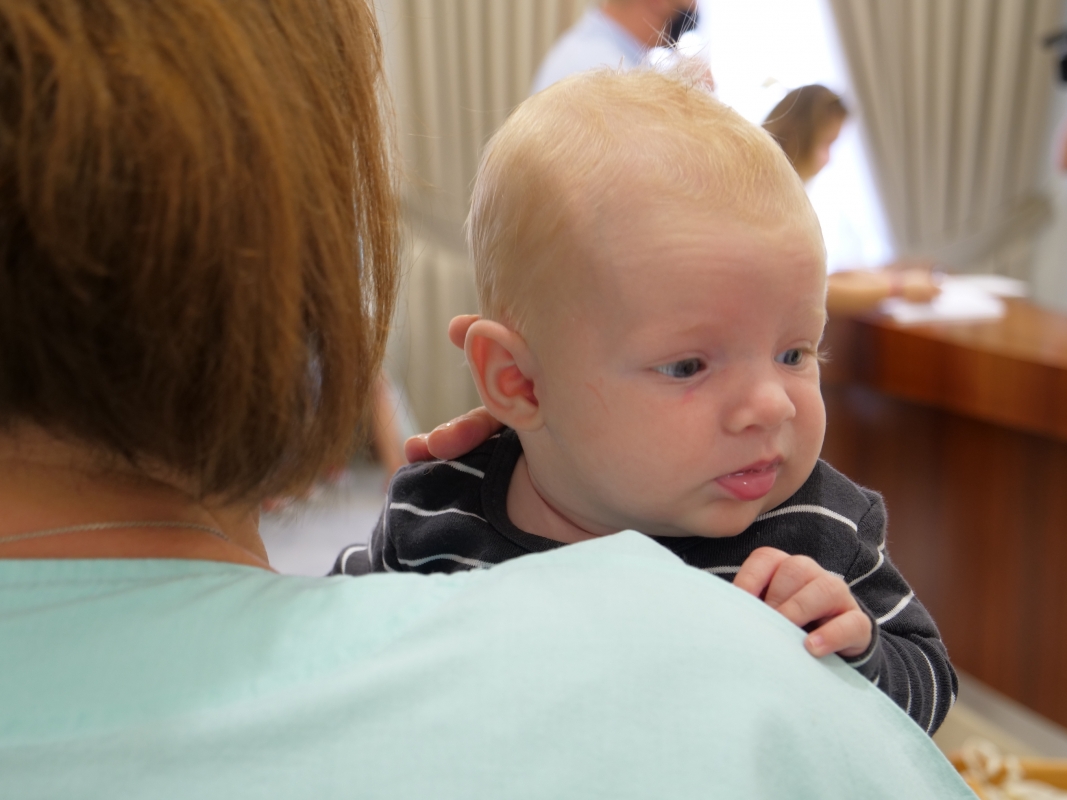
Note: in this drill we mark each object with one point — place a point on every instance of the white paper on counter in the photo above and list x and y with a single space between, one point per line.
999 285
962 299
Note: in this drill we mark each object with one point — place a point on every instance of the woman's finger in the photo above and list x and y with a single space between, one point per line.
452 439
415 448
462 434
919 286
457 328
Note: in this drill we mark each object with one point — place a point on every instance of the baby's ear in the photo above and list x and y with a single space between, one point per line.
502 366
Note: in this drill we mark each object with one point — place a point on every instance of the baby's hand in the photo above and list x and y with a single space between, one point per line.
805 594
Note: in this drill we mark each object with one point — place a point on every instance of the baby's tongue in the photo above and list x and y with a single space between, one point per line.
750 484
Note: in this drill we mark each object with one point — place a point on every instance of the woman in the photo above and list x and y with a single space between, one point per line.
806 123
198 237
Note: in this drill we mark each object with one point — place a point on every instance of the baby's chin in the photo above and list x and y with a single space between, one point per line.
706 526
718 519
702 532
701 515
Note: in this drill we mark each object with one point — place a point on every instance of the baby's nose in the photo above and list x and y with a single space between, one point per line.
762 403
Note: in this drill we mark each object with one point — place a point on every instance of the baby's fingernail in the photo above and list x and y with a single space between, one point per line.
815 644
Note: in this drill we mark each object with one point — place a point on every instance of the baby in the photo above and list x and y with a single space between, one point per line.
652 284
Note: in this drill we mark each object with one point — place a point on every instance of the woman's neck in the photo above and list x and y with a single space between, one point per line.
47 483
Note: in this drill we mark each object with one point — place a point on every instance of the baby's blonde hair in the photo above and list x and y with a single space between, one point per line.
543 190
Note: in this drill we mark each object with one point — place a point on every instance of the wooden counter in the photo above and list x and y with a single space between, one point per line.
963 428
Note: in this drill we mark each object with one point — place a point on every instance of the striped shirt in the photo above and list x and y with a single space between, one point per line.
446 516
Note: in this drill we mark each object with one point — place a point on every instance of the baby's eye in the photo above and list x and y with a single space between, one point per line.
791 358
686 368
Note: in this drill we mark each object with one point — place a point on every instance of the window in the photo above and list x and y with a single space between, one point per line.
761 49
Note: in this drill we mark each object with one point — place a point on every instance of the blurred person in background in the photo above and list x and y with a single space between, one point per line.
617 34
806 123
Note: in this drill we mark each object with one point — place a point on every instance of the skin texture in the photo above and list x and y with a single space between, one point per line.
46 482
685 354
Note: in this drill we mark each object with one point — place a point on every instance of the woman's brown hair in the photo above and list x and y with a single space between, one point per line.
797 120
198 231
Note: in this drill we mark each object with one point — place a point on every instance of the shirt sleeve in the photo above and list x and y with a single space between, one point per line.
906 658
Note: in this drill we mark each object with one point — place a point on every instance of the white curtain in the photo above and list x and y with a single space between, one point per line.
955 94
457 68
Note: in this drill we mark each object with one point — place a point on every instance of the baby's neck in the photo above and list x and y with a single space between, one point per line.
528 510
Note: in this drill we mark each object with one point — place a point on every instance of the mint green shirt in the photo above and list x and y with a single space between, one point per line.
600 670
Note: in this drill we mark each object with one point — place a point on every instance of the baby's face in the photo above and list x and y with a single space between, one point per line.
678 382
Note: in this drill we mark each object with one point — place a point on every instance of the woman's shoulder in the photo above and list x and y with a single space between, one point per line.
610 666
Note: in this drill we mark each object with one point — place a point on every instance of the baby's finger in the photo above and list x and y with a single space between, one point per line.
791 577
847 634
758 569
824 597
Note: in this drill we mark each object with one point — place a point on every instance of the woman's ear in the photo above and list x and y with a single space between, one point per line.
502 366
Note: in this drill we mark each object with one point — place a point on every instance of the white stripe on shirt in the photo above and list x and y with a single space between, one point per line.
356 548
933 683
874 569
808 509
425 512
896 609
465 468
470 562
907 679
731 570
862 661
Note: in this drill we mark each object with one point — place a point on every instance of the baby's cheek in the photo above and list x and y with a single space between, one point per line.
576 408
812 418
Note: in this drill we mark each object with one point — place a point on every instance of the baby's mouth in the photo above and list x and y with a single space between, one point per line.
752 482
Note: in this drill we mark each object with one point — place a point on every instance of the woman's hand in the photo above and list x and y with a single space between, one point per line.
918 285
913 278
452 439
465 432
859 291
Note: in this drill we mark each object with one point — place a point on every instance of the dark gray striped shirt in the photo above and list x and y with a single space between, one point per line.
444 516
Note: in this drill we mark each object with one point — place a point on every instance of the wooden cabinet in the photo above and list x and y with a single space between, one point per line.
963 429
